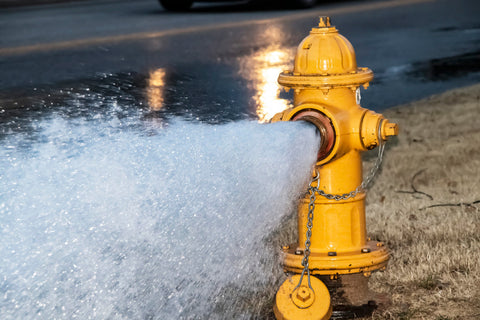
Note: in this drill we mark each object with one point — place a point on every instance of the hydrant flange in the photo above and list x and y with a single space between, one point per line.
359 77
370 258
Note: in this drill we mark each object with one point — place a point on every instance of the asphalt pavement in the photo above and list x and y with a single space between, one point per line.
20 3
227 56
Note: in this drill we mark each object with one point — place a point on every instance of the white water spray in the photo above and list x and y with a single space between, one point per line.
102 222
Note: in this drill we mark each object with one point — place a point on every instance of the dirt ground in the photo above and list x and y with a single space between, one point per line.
425 204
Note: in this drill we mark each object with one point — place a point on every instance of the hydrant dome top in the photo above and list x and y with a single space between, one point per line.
325 51
325 58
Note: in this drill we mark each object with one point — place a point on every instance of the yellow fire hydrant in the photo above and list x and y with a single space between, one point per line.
332 242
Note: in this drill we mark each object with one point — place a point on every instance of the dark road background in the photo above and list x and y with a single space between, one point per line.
220 61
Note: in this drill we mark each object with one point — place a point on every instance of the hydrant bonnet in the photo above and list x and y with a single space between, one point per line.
324 59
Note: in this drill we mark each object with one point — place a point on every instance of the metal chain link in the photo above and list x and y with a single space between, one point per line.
368 179
311 206
363 186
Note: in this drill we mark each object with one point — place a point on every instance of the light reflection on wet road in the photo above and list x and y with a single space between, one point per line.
262 68
229 73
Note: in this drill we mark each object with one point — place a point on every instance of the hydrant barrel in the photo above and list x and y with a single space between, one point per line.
326 82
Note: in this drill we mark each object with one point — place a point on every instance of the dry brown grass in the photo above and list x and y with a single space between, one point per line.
434 234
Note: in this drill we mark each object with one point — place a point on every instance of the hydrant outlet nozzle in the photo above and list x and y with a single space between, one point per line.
374 129
324 128
303 302
389 129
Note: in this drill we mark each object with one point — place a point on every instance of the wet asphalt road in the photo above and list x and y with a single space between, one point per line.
220 62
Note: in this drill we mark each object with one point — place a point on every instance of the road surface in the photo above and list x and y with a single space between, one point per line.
220 61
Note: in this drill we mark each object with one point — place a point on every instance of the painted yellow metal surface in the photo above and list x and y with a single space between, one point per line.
303 302
326 82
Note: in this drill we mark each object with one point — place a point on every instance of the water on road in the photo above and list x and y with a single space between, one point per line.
107 212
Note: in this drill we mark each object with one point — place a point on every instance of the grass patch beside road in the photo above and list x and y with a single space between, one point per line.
425 204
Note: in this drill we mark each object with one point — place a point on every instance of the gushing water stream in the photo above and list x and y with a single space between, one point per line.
103 220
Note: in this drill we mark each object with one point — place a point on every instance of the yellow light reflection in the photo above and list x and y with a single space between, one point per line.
262 69
271 63
155 89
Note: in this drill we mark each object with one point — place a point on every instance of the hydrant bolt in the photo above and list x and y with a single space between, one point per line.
303 293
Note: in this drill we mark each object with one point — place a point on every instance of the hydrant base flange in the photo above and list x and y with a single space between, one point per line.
374 257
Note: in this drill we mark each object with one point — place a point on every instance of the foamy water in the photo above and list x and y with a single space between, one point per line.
100 220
